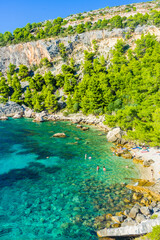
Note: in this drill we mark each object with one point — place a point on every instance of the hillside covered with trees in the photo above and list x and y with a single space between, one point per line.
101 19
126 89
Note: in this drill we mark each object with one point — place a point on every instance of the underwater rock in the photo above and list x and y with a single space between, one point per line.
137 196
59 135
76 138
79 126
74 143
85 128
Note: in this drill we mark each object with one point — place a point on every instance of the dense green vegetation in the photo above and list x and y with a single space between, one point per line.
126 89
36 31
155 234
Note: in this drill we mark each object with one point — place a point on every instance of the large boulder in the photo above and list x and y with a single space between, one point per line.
134 211
115 135
38 118
140 218
3 118
60 135
145 211
28 113
17 115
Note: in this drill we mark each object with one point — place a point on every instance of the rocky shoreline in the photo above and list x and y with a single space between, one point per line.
131 222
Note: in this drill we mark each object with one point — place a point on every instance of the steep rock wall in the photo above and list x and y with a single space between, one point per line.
32 52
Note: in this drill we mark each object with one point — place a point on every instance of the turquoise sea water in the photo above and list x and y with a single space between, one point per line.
48 190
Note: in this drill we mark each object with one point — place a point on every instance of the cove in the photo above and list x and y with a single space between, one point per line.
48 190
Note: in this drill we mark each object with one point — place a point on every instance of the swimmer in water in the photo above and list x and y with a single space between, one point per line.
104 169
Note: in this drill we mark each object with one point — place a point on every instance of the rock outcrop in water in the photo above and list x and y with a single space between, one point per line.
60 135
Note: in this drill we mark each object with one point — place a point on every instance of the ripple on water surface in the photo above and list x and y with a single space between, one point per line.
48 190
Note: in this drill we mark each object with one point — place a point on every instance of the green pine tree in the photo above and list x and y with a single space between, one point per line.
4 90
50 102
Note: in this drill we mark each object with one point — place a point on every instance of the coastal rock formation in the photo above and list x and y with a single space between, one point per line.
3 118
79 119
38 119
17 116
28 113
10 109
130 231
115 135
60 135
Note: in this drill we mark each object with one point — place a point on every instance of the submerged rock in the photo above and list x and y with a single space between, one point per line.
85 128
79 126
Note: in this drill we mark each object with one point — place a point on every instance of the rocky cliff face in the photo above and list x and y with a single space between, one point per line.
32 52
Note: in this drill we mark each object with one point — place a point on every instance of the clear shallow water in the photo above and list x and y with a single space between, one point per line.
60 196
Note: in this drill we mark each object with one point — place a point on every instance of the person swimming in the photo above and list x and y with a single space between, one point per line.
104 169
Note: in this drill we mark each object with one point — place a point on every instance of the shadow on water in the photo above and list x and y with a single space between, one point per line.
41 167
8 179
32 172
